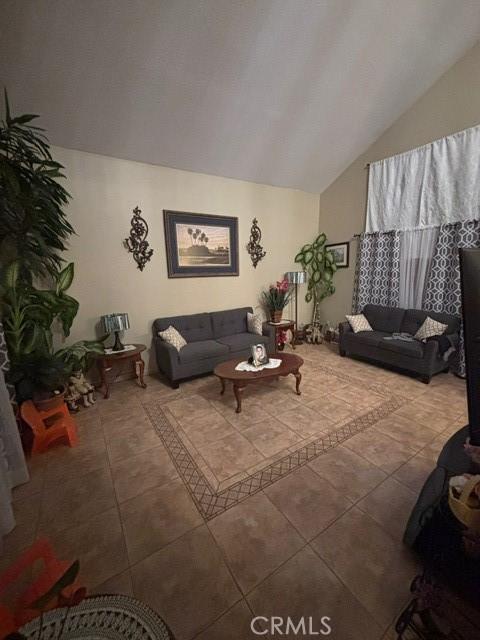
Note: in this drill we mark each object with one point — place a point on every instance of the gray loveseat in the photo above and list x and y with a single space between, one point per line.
211 338
423 359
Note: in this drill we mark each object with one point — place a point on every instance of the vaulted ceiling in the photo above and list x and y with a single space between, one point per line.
285 92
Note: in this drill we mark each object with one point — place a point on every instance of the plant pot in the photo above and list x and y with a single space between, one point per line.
47 403
277 316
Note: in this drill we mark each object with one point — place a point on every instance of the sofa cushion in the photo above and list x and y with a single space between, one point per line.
414 318
381 318
242 341
200 350
254 323
193 327
430 328
371 338
227 323
174 338
359 323
413 349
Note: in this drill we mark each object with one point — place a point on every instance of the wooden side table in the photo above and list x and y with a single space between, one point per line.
109 361
286 325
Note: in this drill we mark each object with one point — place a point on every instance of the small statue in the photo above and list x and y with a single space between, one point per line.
83 388
71 398
313 334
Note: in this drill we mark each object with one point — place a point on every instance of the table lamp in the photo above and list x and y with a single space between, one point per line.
296 278
115 322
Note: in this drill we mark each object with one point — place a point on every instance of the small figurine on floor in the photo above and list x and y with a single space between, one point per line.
313 334
83 387
71 398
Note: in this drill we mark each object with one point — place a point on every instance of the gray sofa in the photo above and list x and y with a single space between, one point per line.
422 359
211 338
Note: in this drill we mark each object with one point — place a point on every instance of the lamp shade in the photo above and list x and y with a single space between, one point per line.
115 322
296 277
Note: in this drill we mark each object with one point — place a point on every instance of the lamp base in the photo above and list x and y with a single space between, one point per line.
118 346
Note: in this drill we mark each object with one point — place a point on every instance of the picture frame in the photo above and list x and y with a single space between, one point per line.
341 252
200 245
259 355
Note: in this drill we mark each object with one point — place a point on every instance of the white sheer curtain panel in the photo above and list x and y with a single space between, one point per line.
436 184
13 468
417 247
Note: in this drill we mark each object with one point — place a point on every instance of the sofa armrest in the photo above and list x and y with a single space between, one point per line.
167 357
454 340
431 351
270 333
268 330
344 327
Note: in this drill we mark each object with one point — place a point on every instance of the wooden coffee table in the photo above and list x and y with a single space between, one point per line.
226 372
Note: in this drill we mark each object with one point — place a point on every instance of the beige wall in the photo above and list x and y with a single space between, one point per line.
451 104
105 190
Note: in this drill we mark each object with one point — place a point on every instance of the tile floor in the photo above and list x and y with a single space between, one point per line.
323 540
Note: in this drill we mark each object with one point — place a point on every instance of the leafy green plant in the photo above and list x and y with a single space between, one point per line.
33 225
29 313
79 356
37 374
33 233
277 296
319 263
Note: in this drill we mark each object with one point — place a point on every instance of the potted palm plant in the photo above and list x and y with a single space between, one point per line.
276 299
34 231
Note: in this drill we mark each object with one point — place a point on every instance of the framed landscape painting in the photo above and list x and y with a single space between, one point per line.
199 244
340 253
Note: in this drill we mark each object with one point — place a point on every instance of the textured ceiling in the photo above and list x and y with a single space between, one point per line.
285 92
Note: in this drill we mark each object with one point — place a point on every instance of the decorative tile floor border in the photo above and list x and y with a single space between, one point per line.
211 503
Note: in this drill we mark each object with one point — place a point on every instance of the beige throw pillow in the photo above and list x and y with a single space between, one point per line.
173 337
254 323
359 323
430 328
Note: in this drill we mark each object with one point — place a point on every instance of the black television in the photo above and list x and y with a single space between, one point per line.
470 279
453 459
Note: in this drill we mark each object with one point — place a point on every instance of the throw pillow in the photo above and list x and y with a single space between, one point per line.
173 337
254 323
430 328
359 323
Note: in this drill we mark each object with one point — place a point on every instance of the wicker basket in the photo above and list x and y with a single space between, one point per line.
462 507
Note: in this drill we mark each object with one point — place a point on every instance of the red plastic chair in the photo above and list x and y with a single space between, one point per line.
38 557
49 426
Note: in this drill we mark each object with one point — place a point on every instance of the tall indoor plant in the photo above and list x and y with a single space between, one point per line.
34 231
319 264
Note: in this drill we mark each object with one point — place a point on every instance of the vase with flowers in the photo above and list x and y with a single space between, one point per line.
276 299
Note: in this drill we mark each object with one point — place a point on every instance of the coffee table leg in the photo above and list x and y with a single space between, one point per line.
238 395
298 378
222 382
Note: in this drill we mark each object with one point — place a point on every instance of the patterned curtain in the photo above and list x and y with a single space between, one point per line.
377 273
442 291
